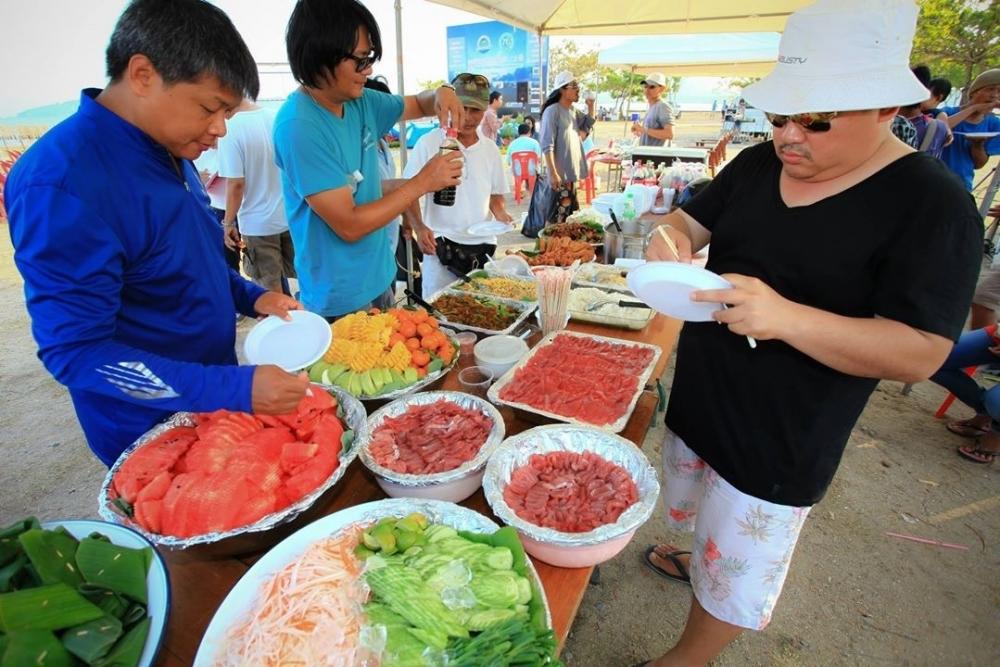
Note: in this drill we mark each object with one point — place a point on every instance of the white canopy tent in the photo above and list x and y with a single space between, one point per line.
731 54
630 17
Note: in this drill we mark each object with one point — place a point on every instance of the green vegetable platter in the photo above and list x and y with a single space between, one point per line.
80 592
445 586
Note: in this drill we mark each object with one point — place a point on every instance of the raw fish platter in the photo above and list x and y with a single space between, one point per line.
580 379
391 583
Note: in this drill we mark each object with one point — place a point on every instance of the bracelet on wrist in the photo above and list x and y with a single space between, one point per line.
447 85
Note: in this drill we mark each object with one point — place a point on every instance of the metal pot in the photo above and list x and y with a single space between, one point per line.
626 244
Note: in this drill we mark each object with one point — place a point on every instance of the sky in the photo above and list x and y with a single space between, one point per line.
54 48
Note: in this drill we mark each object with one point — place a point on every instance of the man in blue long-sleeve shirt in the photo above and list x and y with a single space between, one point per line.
130 298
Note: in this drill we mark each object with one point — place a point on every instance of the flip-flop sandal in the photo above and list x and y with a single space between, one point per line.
965 429
975 454
683 577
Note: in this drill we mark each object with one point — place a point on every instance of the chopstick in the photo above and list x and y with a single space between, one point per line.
751 341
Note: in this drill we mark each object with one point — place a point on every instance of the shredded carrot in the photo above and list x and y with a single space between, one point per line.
309 613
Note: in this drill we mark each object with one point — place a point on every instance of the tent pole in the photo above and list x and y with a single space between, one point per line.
628 102
398 6
541 77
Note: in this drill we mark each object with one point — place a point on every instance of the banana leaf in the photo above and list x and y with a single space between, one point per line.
119 569
128 650
109 602
34 647
12 573
133 615
52 607
53 554
93 639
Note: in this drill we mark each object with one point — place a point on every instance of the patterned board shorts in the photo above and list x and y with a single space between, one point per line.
742 545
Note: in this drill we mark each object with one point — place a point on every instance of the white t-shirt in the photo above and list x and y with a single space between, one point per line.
247 152
215 186
482 176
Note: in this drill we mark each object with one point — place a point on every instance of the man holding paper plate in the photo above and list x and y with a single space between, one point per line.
850 258
131 301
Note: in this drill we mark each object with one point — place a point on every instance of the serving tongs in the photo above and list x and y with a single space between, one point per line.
420 302
594 305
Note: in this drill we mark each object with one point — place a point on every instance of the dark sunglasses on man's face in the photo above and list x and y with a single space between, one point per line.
361 63
810 122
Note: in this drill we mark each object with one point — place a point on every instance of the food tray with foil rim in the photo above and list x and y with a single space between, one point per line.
584 277
636 323
240 599
355 418
457 284
420 384
545 233
400 406
614 427
516 451
524 307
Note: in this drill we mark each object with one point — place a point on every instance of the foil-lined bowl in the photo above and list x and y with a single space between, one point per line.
243 597
451 485
553 546
262 533
421 384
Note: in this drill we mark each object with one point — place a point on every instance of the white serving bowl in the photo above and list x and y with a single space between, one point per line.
556 547
499 353
451 485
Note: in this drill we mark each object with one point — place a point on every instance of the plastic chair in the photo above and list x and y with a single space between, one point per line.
950 398
524 164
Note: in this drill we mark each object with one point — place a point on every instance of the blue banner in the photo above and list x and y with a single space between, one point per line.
508 56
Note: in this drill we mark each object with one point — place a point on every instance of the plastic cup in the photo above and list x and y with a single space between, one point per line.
466 342
475 380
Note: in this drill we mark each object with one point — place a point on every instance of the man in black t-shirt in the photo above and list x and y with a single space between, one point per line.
852 258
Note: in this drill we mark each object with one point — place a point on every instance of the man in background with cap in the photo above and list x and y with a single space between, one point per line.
852 258
479 197
965 154
658 126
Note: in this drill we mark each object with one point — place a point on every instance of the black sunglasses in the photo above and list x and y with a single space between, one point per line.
810 122
361 63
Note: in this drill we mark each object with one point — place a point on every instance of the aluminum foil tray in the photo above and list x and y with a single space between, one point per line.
517 450
587 272
456 286
525 309
251 537
634 323
400 406
614 427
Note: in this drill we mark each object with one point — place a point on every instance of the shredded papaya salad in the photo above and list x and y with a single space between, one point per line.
399 593
309 613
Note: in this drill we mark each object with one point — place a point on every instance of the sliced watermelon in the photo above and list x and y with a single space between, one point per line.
295 454
260 504
151 459
157 488
148 514
328 432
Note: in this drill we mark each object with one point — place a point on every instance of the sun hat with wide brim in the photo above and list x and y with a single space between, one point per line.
563 78
842 55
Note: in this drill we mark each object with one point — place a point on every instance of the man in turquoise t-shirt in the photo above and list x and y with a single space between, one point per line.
968 153
326 145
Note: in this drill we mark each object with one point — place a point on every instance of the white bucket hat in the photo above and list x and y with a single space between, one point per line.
562 78
842 55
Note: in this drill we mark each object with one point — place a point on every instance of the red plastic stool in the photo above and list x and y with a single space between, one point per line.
527 165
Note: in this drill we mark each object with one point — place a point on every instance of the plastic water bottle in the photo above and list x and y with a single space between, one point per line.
629 223
446 196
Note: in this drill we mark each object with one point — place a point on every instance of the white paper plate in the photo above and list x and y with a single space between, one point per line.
978 135
666 287
290 345
157 581
488 228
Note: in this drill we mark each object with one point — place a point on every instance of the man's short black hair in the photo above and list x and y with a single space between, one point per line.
523 129
923 74
940 88
185 40
494 96
322 33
